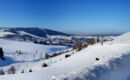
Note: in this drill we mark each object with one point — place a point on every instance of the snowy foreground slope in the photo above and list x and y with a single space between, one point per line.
29 53
113 64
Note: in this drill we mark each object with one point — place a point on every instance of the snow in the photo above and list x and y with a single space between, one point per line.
26 33
124 39
113 63
28 47
31 53
4 33
60 37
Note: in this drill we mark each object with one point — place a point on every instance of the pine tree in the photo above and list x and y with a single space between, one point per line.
2 54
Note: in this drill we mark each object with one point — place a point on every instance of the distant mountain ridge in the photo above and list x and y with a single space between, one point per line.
28 32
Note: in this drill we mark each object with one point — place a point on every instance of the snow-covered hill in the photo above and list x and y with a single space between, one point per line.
28 33
18 53
4 33
112 64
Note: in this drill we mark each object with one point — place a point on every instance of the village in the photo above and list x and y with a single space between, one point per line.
70 41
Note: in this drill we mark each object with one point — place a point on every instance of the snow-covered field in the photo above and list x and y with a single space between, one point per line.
3 33
30 53
113 63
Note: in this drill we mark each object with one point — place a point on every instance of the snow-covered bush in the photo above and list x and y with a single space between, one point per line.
11 70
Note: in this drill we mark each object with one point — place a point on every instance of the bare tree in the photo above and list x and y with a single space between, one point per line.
40 56
98 40
102 42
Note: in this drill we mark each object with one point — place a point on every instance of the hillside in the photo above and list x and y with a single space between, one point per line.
112 64
28 32
16 52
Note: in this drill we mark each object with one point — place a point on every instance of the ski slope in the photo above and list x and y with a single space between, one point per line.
113 64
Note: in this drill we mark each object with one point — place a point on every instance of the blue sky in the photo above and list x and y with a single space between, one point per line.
73 16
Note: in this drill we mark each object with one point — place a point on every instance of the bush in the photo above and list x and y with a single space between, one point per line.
20 52
44 65
22 71
77 46
30 70
47 56
11 70
91 42
54 55
97 59
2 72
67 55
